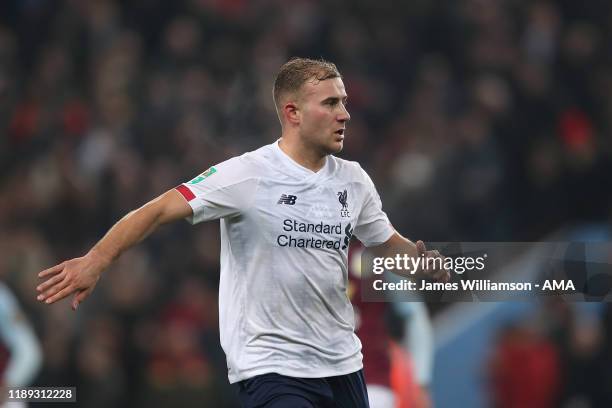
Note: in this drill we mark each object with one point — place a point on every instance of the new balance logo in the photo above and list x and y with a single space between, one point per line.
287 199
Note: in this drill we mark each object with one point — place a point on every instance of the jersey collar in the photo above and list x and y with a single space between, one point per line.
297 169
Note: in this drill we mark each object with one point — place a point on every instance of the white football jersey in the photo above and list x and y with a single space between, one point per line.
283 306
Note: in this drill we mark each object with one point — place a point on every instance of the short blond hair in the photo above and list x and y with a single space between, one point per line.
297 71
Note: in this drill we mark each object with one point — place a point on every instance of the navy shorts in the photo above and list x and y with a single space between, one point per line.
279 391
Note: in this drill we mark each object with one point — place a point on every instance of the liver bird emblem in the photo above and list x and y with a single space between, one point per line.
342 198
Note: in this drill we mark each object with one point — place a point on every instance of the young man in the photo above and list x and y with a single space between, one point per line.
288 211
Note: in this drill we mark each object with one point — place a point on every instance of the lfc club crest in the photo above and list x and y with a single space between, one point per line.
342 198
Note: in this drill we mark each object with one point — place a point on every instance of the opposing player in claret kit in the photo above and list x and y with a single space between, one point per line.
288 211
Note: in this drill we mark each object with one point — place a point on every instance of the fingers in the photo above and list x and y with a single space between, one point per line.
439 272
435 264
76 276
420 247
53 290
60 295
53 270
50 282
432 256
79 297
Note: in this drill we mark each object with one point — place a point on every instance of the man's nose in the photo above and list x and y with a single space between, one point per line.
344 116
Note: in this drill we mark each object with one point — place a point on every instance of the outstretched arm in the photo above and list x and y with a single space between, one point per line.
80 275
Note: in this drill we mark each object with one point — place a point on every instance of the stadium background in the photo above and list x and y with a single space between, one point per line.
479 120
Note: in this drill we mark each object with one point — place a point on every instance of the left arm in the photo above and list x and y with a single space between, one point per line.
399 244
373 226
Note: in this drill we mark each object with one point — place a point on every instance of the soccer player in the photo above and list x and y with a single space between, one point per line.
287 211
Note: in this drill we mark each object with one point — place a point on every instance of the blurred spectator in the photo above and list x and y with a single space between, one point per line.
20 352
524 370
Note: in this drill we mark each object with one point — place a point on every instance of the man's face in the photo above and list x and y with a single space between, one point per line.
322 105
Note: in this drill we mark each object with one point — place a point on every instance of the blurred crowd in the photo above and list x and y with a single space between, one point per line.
477 119
558 357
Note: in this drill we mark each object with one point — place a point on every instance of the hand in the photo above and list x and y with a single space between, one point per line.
432 270
78 276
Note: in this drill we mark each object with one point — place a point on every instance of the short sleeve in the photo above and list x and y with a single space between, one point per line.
224 190
373 227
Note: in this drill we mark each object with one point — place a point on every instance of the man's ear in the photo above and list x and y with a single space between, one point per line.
291 113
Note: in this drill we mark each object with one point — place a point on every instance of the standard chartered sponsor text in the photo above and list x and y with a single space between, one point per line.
289 240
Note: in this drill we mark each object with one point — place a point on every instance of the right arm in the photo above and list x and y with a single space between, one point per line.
80 275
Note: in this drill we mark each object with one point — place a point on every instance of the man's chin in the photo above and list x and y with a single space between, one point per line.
336 147
331 147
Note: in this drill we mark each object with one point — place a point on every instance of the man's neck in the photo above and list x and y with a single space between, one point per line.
301 154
